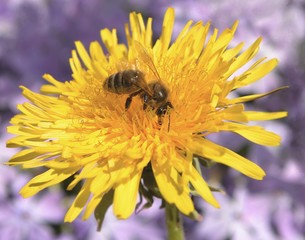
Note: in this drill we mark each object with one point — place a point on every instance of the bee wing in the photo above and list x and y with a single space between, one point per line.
142 84
146 59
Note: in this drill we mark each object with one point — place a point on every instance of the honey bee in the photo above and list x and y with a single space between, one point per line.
154 95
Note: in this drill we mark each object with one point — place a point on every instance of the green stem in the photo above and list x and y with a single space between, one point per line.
174 222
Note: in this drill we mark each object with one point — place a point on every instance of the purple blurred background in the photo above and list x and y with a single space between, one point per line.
37 36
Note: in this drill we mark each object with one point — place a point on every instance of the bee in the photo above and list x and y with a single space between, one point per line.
153 95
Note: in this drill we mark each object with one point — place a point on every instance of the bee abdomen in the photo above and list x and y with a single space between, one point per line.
114 83
122 82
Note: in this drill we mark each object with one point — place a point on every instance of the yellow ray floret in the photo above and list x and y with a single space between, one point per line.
80 129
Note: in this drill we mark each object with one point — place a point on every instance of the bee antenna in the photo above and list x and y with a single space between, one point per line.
169 122
169 106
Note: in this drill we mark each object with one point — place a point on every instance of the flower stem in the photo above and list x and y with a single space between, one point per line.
174 222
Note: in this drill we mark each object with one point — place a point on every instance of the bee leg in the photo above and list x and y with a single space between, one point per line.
161 111
160 119
129 99
145 100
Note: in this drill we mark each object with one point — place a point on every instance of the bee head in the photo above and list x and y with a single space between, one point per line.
158 98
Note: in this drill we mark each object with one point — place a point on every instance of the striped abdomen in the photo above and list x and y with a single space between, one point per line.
124 82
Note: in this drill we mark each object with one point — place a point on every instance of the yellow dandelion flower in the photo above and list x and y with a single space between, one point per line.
90 129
